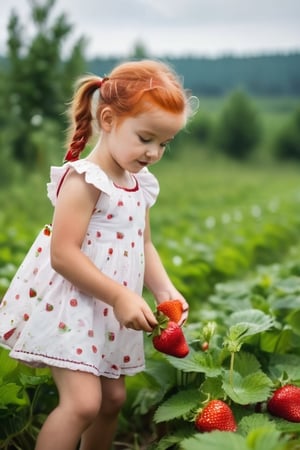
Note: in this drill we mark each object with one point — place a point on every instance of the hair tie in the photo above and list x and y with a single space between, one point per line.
76 147
100 82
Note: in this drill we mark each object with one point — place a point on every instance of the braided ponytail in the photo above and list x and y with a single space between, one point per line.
81 116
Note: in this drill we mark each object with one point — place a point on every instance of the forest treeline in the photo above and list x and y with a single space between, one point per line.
270 75
267 75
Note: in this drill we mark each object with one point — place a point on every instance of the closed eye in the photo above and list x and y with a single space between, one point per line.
144 140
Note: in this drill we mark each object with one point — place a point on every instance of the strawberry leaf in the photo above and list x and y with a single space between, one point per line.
246 363
255 421
253 321
215 440
177 406
213 387
12 394
265 438
244 324
293 319
279 341
197 362
285 364
253 388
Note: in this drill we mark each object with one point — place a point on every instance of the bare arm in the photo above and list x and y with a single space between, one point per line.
156 277
73 211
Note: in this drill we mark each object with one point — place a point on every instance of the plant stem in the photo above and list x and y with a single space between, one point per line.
231 369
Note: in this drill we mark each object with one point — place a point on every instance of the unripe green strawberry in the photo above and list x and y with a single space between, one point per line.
216 415
285 403
172 309
170 340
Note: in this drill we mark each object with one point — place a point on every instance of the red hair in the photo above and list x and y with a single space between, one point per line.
128 90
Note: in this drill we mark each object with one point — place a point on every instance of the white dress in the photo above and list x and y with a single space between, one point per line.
47 321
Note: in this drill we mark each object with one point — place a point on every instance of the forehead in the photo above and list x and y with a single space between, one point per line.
159 122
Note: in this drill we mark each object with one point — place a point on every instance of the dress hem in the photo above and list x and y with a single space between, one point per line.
40 360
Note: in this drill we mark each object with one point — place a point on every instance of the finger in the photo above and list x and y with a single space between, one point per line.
183 318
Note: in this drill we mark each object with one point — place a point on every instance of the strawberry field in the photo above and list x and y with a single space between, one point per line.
228 234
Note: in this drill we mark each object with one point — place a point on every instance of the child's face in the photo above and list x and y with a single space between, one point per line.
140 141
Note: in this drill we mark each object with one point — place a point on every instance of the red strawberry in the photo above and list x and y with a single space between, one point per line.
216 415
170 340
285 403
172 309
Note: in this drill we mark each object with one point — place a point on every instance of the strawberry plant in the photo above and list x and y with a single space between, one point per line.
26 397
252 334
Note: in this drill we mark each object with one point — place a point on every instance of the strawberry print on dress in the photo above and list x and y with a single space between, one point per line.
45 320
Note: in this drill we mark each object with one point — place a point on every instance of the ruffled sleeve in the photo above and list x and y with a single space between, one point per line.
93 175
149 185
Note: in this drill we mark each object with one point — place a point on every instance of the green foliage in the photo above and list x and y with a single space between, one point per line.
229 219
38 82
239 129
246 381
26 397
200 127
287 144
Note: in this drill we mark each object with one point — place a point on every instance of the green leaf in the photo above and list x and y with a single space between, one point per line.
293 319
177 406
277 341
253 422
213 387
7 364
243 390
246 363
197 362
289 364
12 394
265 438
14 423
162 372
215 440
33 380
253 320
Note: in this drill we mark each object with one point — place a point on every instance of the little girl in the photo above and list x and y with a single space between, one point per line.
75 304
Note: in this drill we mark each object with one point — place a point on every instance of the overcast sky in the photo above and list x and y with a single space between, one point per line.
175 27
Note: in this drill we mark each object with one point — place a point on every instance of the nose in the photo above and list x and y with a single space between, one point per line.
153 152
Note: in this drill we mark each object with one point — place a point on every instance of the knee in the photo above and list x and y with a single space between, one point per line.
113 400
85 409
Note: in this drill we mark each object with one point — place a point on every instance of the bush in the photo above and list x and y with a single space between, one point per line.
238 130
287 145
200 127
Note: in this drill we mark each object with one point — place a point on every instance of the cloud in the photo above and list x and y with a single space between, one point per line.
176 26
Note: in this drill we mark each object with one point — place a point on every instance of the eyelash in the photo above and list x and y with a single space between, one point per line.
145 141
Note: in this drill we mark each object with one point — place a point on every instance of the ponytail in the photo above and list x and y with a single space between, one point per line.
81 116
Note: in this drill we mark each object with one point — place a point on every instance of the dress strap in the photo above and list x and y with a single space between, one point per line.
61 181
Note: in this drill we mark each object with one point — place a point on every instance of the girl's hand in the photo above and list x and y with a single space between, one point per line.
185 310
134 312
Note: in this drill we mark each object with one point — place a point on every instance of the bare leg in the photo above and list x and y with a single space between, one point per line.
79 403
100 434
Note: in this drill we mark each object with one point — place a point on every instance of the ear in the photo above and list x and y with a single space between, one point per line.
106 119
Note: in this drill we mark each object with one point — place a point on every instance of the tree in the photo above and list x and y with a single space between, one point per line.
239 129
38 80
287 144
